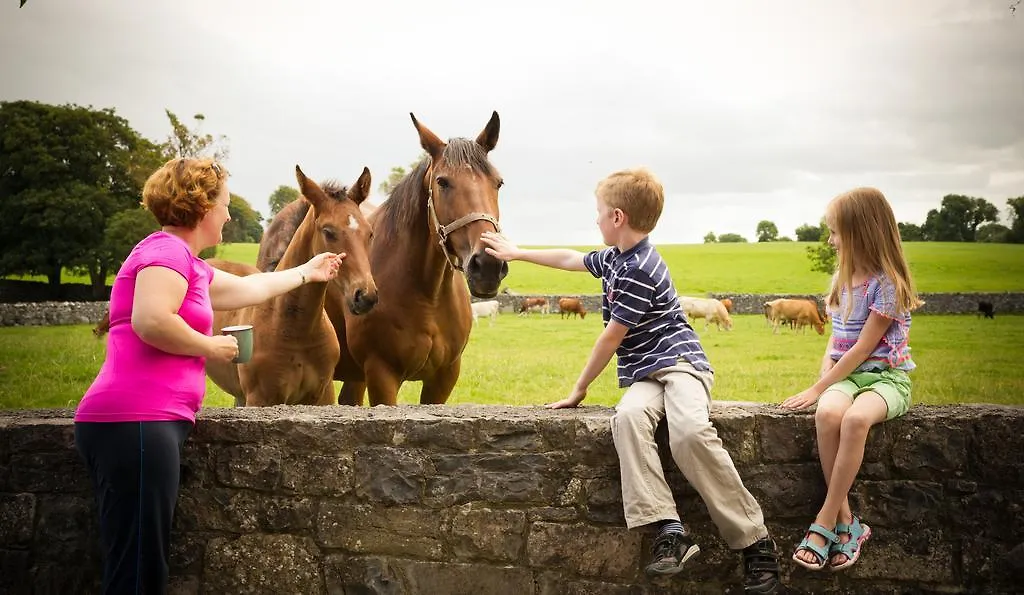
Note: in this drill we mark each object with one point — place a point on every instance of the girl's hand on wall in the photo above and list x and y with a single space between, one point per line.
801 400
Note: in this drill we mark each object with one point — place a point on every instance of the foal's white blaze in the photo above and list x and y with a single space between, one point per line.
352 223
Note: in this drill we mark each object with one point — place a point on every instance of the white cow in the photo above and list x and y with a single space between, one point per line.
488 308
710 309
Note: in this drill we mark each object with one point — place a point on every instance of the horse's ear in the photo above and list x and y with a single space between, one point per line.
488 137
308 188
428 140
361 189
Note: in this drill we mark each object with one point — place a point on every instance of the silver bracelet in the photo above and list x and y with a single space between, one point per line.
302 275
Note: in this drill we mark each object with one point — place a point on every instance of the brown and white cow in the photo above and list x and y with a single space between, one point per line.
534 304
571 307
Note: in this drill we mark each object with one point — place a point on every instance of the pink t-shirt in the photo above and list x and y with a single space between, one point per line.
139 382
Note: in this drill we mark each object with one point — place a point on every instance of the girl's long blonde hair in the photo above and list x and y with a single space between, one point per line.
871 244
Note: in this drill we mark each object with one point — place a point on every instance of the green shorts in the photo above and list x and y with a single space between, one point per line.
892 385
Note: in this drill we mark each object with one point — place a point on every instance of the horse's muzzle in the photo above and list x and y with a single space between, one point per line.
484 274
362 302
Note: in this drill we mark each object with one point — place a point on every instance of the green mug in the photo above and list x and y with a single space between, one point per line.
243 333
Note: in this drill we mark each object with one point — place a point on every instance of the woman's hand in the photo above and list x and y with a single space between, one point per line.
801 400
322 267
573 400
499 246
222 348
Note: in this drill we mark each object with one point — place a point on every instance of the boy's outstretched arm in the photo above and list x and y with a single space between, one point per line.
500 247
604 348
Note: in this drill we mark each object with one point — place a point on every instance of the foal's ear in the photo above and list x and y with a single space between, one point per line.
488 137
428 140
308 188
361 189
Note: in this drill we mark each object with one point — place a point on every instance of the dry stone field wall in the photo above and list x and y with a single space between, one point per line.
496 500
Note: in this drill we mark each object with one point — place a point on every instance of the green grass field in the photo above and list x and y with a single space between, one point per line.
778 267
535 360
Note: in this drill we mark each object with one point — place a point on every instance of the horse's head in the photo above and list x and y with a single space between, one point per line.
342 227
462 189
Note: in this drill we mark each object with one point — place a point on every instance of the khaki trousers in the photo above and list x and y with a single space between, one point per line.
680 394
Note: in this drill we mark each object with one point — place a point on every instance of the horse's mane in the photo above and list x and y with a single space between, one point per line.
334 189
402 208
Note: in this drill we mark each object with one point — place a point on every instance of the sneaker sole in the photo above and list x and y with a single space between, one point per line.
657 572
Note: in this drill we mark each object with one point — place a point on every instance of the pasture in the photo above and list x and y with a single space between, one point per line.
534 360
776 267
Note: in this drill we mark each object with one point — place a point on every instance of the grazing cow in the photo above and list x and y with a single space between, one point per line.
710 309
571 307
488 308
535 304
728 305
986 309
801 311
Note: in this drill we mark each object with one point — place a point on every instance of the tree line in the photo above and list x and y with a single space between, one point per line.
958 219
71 181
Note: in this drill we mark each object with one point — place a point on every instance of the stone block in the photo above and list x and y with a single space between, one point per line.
35 472
933 452
481 533
249 466
584 549
17 514
367 529
996 448
391 475
508 477
787 438
318 475
258 563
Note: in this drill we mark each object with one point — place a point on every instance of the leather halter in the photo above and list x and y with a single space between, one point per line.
443 231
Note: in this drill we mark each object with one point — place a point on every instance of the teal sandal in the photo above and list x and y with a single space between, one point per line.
859 533
821 552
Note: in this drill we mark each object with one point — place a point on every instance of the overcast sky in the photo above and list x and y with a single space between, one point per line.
746 110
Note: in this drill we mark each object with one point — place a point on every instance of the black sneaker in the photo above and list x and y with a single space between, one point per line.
669 553
761 567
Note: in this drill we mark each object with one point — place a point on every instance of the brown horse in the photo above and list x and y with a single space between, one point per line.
295 348
424 234
421 325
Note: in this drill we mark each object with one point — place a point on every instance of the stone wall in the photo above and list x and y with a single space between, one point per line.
934 303
751 303
56 313
51 313
481 500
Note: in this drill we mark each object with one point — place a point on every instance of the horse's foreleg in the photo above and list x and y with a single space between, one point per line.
382 383
352 393
437 390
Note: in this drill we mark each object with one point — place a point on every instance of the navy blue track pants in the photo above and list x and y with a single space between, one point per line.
135 471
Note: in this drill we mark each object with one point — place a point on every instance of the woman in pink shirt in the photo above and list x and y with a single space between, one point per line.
132 422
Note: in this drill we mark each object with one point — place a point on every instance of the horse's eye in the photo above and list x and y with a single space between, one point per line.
330 235
442 182
500 184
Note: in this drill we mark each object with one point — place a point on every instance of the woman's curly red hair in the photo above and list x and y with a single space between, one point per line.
182 191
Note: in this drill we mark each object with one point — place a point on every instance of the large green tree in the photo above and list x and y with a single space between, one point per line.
958 218
767 231
245 224
910 232
280 197
1016 219
64 171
